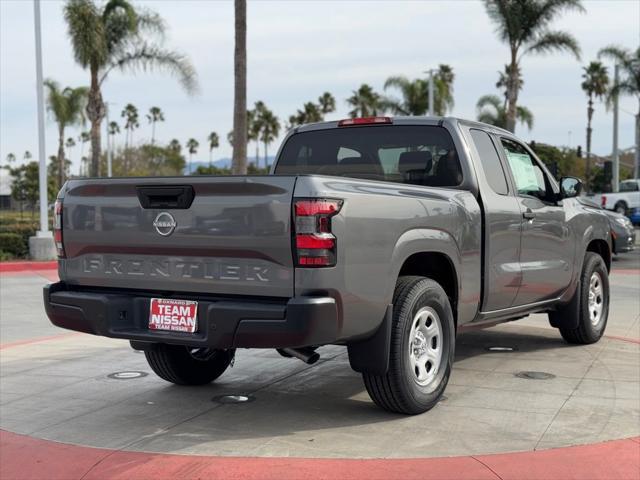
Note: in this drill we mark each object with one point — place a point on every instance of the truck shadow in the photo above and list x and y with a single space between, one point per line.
310 403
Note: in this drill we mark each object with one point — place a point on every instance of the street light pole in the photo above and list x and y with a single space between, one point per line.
42 170
431 88
41 246
616 155
109 158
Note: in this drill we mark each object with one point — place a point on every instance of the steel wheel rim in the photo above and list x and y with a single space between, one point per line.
425 346
596 298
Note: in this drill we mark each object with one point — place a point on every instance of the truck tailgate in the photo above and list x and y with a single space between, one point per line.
234 238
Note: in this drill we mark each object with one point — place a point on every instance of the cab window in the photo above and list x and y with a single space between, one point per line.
529 177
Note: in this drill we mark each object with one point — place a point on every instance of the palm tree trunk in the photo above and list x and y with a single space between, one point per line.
210 160
95 112
512 92
153 132
587 173
266 158
239 161
60 156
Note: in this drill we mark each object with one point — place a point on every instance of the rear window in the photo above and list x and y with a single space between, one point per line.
418 155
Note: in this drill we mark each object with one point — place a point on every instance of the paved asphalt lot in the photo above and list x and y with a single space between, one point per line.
54 385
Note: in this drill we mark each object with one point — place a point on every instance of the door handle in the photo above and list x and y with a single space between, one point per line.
529 215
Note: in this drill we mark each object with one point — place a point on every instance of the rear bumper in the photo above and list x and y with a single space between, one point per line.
222 322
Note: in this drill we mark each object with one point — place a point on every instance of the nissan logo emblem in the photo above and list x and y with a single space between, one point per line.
164 224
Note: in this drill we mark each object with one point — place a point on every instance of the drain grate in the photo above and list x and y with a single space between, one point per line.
233 399
498 348
129 375
535 375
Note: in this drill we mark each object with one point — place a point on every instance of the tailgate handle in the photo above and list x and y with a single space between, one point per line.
175 196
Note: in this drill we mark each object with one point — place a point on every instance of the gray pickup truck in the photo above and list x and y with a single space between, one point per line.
386 235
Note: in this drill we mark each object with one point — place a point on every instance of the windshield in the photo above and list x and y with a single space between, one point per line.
628 187
414 154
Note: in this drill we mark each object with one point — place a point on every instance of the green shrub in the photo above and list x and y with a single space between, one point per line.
14 244
5 256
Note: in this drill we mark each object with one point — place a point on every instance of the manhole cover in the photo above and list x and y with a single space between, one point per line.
501 349
535 375
127 375
238 398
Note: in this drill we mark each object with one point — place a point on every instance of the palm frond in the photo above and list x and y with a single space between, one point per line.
86 30
524 115
550 41
145 57
489 100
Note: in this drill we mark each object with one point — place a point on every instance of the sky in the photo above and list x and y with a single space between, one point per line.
299 49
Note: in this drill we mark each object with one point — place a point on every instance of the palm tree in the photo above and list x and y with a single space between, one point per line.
192 146
254 126
524 26
214 142
69 144
414 96
155 115
175 146
83 138
629 84
595 85
27 155
365 102
443 94
269 131
112 36
113 129
310 113
239 160
130 114
327 103
10 158
66 106
491 110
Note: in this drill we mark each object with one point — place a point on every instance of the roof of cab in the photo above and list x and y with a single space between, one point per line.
406 120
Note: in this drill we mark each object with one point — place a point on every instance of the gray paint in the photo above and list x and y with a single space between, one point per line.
241 228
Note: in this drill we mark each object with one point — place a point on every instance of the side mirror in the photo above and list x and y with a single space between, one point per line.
570 187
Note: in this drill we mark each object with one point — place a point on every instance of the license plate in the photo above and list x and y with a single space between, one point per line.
173 315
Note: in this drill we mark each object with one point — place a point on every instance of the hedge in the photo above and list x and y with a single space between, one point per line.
14 244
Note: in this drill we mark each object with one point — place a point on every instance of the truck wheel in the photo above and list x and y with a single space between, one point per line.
422 349
620 208
590 305
188 366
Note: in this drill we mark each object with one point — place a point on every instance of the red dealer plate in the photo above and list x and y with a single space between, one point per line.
173 315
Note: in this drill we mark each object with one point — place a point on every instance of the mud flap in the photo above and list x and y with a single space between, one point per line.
372 355
568 316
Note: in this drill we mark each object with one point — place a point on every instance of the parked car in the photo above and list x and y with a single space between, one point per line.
626 200
386 235
623 233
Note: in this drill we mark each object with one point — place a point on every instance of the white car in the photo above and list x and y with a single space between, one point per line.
624 201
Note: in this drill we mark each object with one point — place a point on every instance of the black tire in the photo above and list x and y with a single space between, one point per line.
398 390
586 332
177 364
621 208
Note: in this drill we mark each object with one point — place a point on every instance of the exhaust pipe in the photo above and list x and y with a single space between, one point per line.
308 355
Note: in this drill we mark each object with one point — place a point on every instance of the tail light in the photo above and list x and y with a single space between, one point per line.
314 242
603 201
57 228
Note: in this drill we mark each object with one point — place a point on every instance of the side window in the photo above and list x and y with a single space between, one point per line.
529 177
490 161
